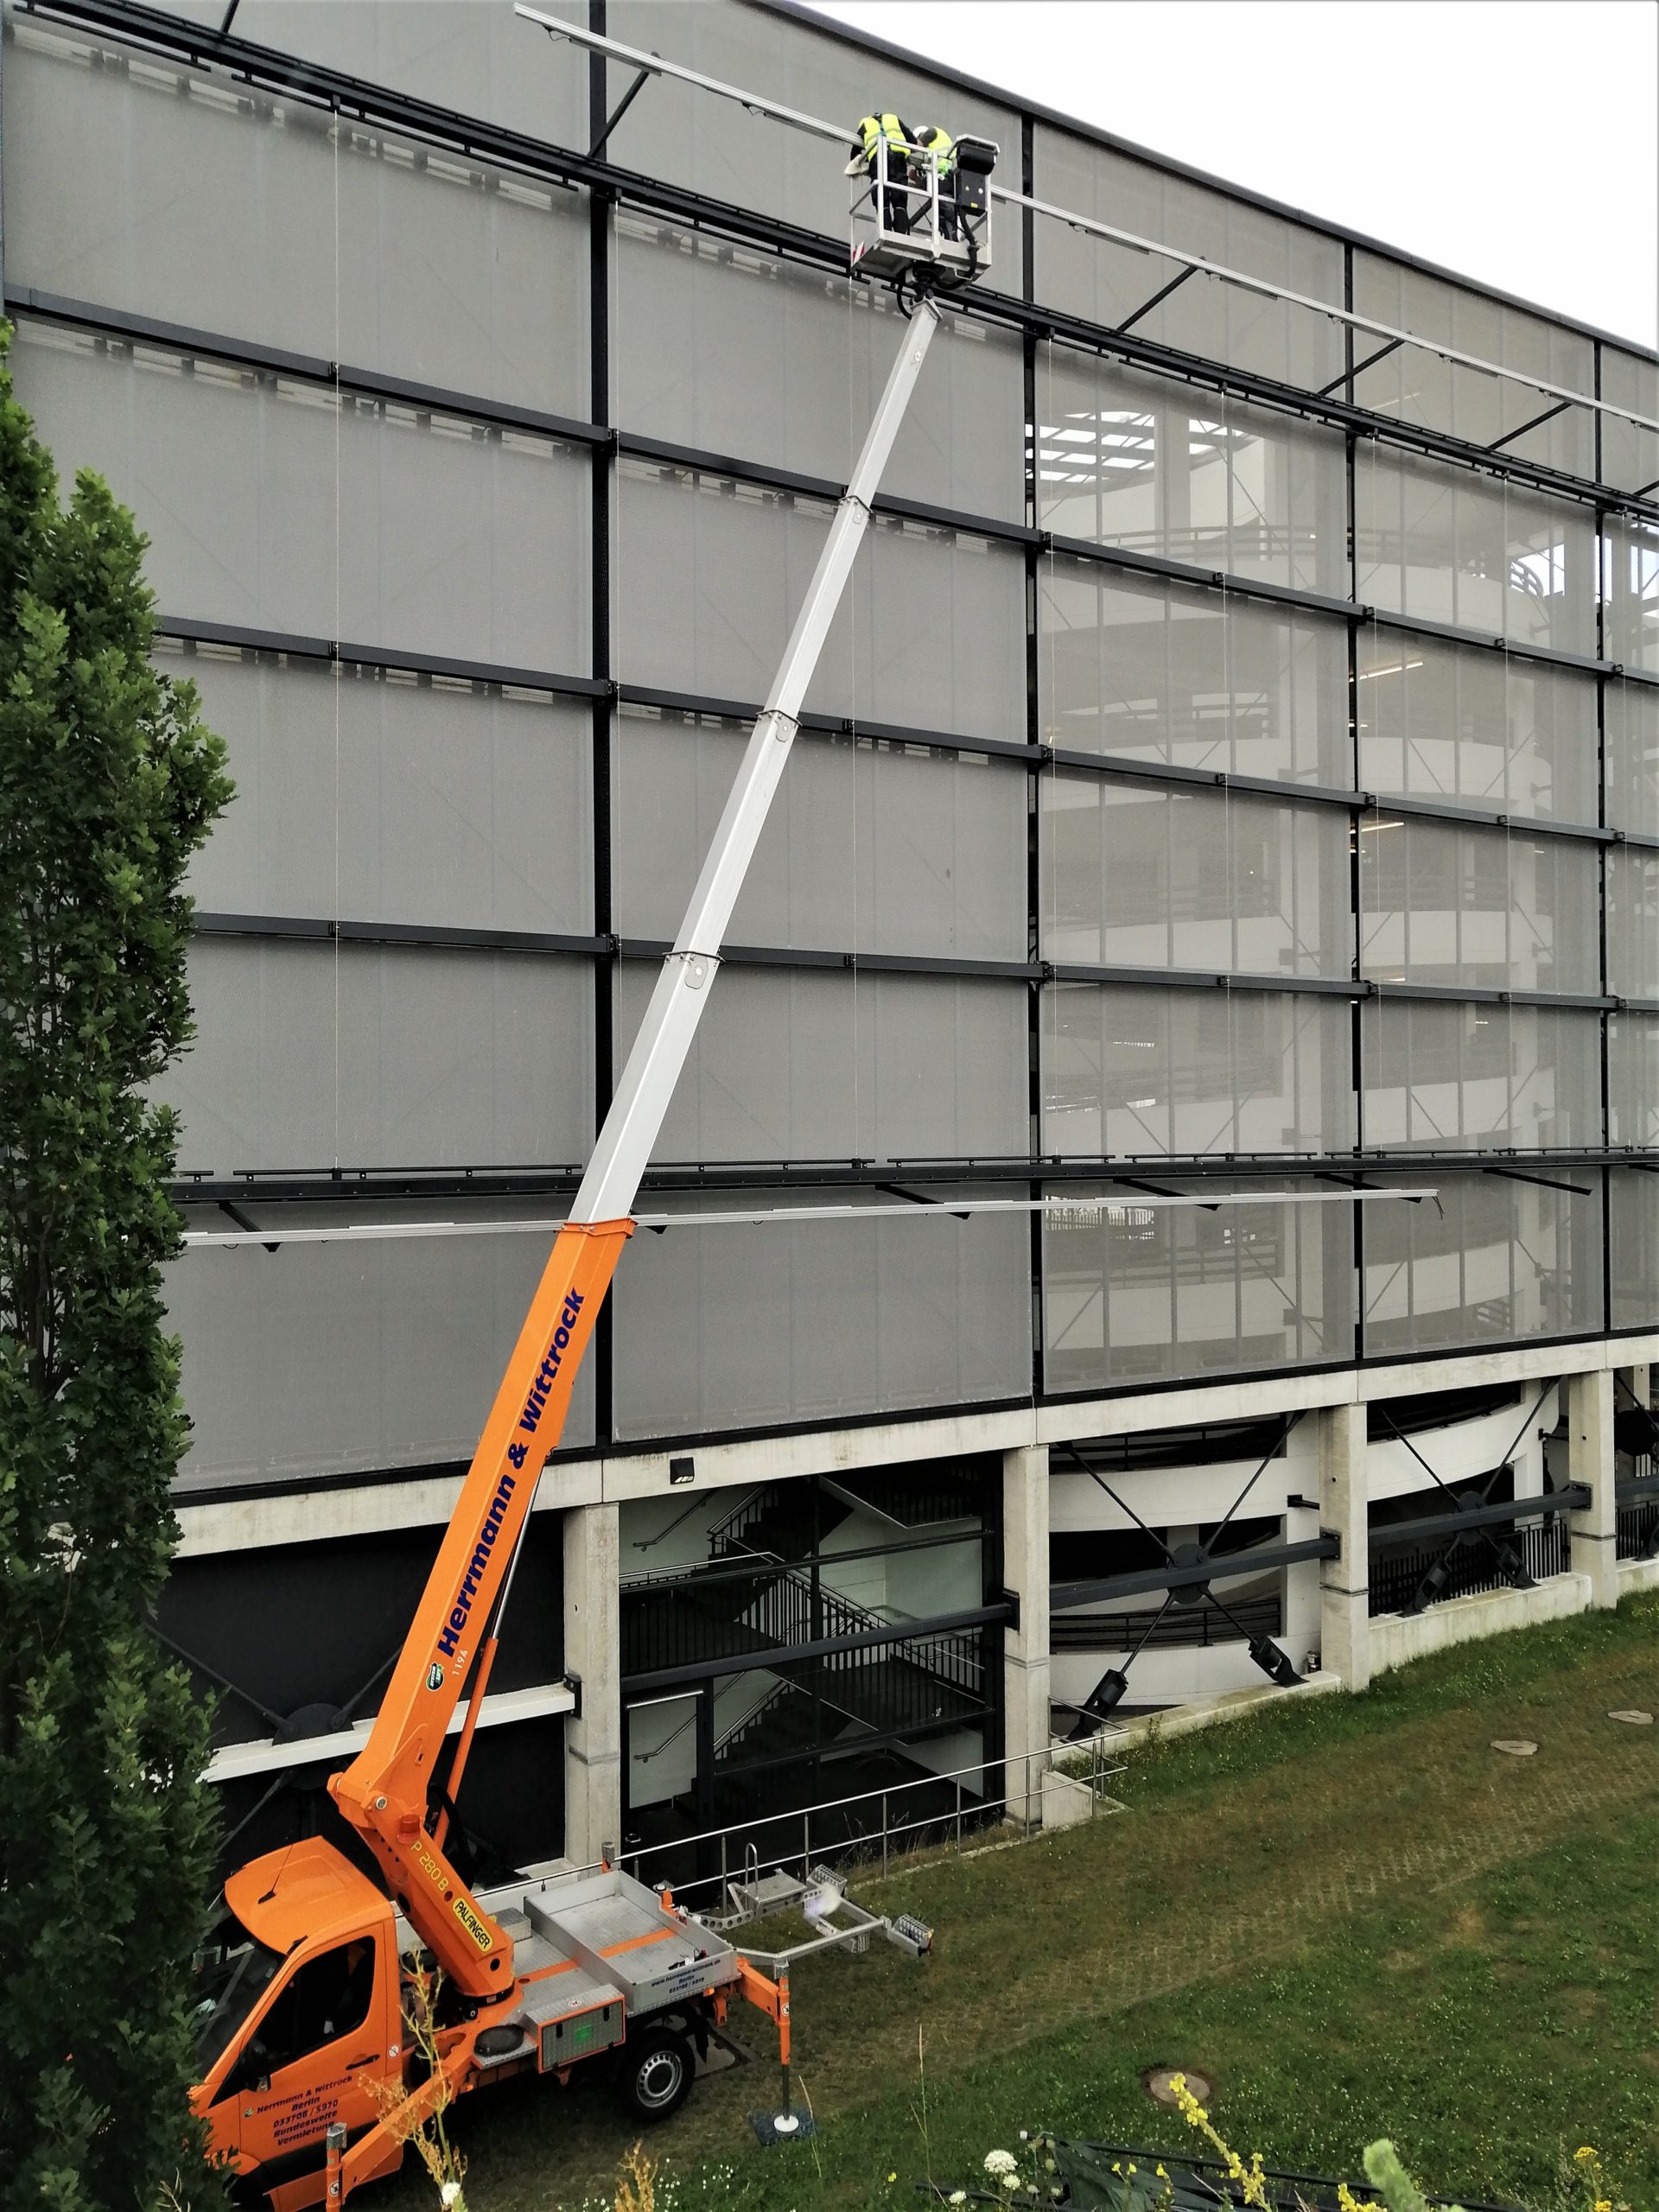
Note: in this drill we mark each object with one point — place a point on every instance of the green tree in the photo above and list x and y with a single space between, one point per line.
108 784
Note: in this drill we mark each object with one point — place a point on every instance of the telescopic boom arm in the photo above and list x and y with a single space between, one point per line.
386 1793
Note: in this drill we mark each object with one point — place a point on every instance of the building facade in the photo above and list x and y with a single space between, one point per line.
1228 804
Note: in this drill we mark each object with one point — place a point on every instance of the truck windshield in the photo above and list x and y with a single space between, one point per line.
233 1970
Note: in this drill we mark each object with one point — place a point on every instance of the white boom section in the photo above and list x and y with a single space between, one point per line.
609 1187
820 127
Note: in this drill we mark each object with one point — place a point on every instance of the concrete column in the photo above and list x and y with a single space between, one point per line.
592 1738
1025 1663
1594 1531
1345 1582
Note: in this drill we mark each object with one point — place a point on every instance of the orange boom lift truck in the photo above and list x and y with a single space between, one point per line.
305 1978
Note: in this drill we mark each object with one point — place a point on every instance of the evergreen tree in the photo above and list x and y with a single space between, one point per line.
108 783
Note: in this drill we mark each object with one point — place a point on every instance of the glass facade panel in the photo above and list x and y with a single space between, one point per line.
1633 1079
1134 1292
1134 875
1444 544
1629 592
1487 1260
1137 1070
1453 905
1632 750
815 1063
724 1328
781 364
315 1055
1111 284
710 574
1459 722
347 1358
1125 459
867 847
394 798
1441 1076
1632 923
1191 678
278 505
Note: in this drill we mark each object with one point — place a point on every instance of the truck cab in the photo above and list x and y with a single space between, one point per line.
297 2011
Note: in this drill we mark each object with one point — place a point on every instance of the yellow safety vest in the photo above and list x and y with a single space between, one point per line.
941 143
877 129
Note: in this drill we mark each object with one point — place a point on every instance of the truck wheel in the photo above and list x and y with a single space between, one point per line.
657 2070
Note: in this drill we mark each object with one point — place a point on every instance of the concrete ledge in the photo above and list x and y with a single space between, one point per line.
1636 1574
1211 1712
1398 1638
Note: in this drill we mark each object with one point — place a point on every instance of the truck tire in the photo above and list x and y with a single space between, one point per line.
657 2070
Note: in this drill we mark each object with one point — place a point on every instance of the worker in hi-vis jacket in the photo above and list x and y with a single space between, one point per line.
938 142
885 138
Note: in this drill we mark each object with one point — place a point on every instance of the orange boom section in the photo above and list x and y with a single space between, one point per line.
386 1791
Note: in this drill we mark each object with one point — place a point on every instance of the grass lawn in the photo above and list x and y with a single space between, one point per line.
1349 1912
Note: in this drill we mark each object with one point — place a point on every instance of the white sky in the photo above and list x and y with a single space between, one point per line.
1516 141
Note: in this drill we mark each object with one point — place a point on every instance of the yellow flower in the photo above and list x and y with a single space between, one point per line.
892 2176
1585 2151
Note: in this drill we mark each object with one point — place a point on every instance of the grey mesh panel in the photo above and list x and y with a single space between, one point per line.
1109 283
1447 902
713 145
1442 542
472 55
1633 1211
1144 1070
1125 459
1419 386
1438 1076
348 1357
866 847
451 539
1630 455
233 476
134 183
785 366
1438 720
382 1057
1494 1261
800 1063
1146 1293
147 186
463 541
1134 875
454 808
710 576
1632 752
1193 678
1633 1079
461 276
1630 611
736 1327
1633 923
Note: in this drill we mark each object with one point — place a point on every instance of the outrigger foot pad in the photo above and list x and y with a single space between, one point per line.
772 2127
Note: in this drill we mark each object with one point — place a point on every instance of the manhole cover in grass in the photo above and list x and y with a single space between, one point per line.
1633 1717
1157 2080
1519 1747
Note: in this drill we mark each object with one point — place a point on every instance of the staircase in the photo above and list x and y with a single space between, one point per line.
779 1522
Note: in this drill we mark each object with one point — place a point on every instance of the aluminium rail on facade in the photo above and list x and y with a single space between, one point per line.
817 126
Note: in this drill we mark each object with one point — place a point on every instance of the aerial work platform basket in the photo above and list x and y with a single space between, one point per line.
923 220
